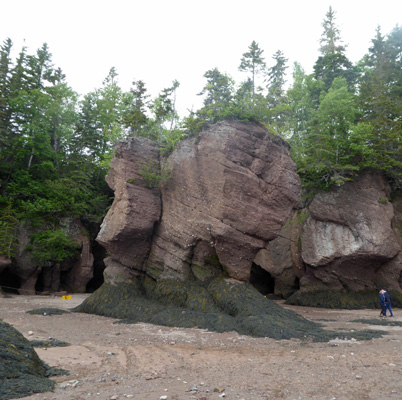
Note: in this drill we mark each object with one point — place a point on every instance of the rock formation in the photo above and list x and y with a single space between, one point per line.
22 372
126 232
184 253
232 205
349 236
229 193
68 275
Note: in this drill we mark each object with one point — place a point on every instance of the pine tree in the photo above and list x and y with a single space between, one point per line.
378 136
277 101
253 62
135 105
5 111
164 111
218 96
276 80
333 61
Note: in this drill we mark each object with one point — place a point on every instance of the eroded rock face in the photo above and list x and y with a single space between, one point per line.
230 192
127 229
232 203
390 274
282 257
76 275
349 236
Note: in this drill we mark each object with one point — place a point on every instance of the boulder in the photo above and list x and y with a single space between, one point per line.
349 236
22 372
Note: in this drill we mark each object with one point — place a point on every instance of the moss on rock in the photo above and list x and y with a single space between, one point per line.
22 373
341 300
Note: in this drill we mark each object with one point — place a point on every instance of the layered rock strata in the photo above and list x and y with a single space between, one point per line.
229 193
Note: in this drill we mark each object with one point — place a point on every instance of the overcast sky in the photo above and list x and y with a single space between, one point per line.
158 41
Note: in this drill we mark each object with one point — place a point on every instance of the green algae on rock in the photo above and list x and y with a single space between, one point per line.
22 373
341 300
232 306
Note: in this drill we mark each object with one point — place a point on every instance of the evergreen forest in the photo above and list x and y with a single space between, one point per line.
56 144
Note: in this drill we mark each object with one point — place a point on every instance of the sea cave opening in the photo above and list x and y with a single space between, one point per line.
9 282
262 280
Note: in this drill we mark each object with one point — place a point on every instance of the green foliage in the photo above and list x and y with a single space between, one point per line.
8 223
52 246
135 108
153 175
254 63
55 150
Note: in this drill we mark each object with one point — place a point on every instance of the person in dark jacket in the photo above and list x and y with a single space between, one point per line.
383 312
387 298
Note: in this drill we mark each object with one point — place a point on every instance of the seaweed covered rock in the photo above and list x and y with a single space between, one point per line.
22 373
222 305
341 299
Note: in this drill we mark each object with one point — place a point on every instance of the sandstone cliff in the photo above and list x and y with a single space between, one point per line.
229 193
348 241
349 236
232 206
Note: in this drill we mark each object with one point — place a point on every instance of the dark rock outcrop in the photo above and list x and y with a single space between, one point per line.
67 275
22 373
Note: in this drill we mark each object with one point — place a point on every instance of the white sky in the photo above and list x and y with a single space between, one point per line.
158 41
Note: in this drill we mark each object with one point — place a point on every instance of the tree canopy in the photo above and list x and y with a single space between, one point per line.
56 145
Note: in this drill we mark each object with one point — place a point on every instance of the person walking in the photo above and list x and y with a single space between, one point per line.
387 298
383 312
